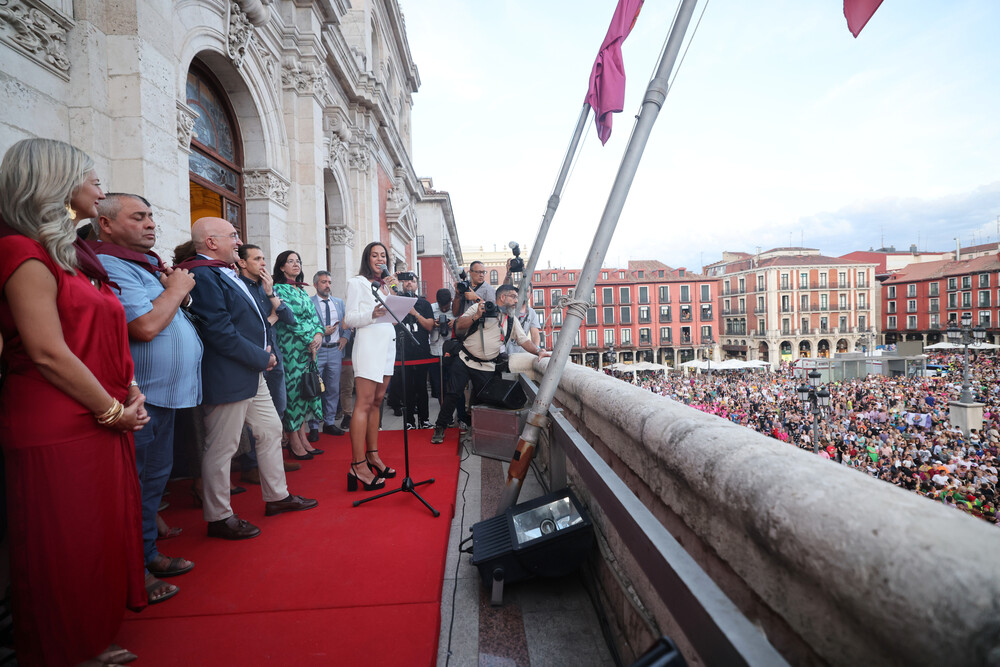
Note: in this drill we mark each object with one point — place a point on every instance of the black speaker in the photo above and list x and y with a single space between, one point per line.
502 393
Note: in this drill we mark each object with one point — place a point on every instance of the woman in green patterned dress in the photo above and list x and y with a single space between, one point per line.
299 343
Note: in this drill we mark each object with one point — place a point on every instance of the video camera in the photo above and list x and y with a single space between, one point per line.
406 275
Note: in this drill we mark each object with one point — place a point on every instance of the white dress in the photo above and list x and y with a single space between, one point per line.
374 343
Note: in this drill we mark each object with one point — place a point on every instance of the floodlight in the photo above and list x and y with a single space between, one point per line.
549 536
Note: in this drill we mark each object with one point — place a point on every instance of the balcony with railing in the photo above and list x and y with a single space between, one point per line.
666 340
759 309
727 312
685 340
753 584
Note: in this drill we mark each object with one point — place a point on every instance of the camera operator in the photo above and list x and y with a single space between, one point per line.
487 327
474 290
528 319
420 322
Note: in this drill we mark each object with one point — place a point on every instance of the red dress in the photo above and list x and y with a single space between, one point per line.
72 491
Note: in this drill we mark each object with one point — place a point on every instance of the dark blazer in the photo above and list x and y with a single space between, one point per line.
283 312
231 329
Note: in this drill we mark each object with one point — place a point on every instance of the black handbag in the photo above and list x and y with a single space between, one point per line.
312 383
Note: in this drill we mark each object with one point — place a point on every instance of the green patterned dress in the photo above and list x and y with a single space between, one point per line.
293 340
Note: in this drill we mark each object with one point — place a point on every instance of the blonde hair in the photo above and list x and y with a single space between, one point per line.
37 180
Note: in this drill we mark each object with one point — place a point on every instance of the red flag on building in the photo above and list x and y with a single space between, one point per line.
606 93
857 13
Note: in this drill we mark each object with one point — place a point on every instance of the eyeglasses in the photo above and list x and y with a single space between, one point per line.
234 236
479 271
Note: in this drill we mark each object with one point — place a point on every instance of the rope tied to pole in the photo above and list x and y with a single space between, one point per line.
574 305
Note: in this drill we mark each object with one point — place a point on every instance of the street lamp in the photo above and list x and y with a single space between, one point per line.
812 394
708 356
965 336
609 356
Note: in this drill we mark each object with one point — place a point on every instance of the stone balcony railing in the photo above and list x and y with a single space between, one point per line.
831 565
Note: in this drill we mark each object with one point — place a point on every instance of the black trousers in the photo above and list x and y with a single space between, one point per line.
460 375
416 394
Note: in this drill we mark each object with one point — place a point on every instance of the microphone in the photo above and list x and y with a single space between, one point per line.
387 278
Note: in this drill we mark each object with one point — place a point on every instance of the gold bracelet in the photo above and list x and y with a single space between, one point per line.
112 414
133 383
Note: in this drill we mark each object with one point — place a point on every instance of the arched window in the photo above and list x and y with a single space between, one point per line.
494 277
216 161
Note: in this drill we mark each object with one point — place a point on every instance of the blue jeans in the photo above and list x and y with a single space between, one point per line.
154 458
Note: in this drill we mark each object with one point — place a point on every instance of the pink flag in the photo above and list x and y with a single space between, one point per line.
857 13
606 94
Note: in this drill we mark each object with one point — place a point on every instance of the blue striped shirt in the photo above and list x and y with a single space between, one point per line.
167 368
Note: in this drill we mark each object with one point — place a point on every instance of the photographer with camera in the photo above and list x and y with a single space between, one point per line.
486 327
420 322
473 289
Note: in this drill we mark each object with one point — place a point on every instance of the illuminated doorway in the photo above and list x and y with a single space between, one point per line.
216 161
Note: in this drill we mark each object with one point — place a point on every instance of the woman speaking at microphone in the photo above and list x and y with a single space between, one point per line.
373 358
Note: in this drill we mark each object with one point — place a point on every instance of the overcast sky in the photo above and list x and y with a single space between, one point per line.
781 128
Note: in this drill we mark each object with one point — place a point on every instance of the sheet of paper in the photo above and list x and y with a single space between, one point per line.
399 305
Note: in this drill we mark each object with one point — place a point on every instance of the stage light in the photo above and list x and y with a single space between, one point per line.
549 536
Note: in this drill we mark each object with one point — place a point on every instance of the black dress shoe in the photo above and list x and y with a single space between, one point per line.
233 528
289 504
331 429
313 435
346 422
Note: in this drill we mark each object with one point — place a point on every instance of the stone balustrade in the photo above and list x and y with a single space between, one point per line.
833 565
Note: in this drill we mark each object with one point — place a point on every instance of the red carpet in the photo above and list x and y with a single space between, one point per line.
334 585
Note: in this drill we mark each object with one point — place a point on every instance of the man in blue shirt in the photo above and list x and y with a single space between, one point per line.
167 353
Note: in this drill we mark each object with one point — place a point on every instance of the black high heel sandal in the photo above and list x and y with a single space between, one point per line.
384 473
352 480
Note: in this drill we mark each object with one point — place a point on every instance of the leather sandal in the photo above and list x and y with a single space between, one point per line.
385 473
158 590
164 566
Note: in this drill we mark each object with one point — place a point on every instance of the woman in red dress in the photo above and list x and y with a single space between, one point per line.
68 406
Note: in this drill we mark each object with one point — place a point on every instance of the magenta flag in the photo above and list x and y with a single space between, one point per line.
606 94
857 13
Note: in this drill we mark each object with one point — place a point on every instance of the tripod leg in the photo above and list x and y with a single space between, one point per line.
426 504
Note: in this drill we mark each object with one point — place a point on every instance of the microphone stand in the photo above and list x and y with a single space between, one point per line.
408 485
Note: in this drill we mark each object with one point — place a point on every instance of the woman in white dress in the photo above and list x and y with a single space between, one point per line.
373 358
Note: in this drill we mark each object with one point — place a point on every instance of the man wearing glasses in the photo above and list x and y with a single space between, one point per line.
237 353
481 290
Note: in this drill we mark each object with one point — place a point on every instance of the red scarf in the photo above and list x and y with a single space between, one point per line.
128 255
196 261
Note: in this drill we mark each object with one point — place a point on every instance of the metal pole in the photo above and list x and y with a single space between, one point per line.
816 427
550 210
656 94
966 379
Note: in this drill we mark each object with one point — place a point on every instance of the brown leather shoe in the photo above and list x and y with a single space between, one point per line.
291 466
289 504
233 528
251 476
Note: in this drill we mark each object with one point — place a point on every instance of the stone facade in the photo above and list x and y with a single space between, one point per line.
319 93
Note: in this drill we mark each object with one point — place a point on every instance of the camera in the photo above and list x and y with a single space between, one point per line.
516 264
490 309
463 285
443 325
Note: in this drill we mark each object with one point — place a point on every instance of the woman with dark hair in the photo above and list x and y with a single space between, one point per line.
68 407
373 359
299 343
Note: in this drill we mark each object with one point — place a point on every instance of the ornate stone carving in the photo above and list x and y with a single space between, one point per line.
265 184
306 78
36 33
268 62
240 34
256 11
335 149
359 157
186 117
395 198
341 235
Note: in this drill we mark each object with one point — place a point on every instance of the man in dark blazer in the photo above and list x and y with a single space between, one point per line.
236 356
330 311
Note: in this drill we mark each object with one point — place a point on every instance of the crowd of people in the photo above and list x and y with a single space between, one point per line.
896 429
107 352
